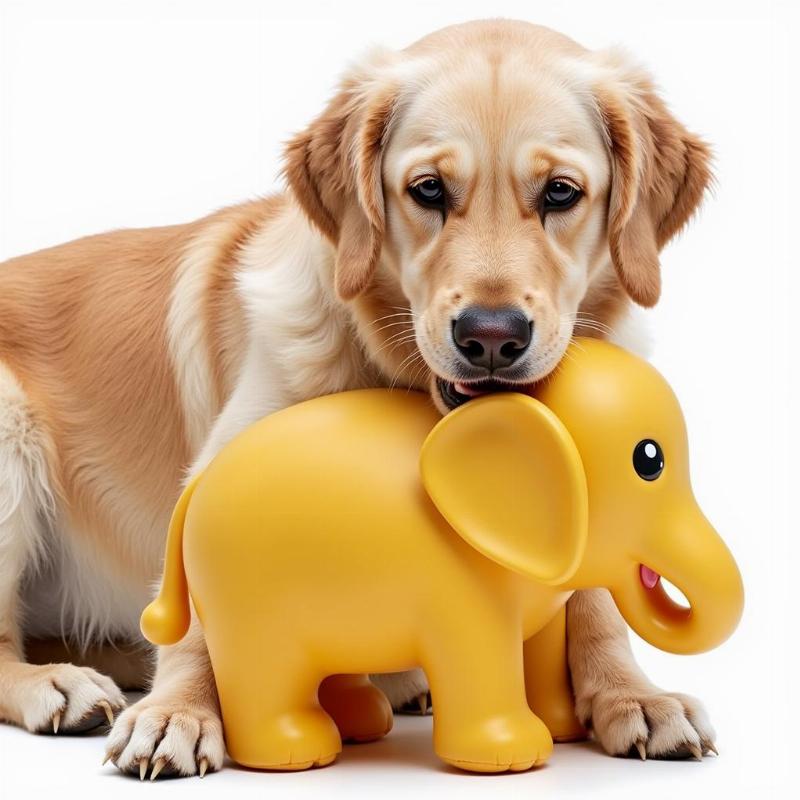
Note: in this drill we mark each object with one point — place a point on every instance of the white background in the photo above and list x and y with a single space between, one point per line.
131 114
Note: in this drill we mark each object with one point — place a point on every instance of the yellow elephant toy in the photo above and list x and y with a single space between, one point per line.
361 533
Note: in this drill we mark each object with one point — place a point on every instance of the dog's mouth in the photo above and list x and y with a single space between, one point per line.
456 393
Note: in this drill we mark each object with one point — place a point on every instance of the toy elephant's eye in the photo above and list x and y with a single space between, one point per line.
648 460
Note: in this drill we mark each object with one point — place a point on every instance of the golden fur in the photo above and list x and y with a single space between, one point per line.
130 358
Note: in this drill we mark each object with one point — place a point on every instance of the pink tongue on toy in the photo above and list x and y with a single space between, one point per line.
649 577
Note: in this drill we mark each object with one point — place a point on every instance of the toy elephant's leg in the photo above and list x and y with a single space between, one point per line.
279 725
358 707
547 681
481 721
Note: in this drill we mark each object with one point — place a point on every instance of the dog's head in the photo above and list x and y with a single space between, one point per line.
487 190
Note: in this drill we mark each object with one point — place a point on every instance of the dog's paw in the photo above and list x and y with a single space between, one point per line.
63 698
406 691
419 706
657 725
166 738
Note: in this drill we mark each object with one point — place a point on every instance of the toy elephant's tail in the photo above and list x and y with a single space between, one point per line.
167 618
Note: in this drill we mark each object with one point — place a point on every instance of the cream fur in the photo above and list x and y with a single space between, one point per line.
188 337
27 505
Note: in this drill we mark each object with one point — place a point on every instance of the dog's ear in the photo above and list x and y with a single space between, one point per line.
660 172
334 170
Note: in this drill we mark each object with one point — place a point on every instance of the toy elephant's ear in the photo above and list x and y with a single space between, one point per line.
505 473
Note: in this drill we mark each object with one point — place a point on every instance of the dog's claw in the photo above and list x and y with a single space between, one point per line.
158 765
106 758
106 706
710 746
143 764
696 752
641 750
422 702
203 767
56 721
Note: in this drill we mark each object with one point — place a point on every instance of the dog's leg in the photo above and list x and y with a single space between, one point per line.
629 715
128 664
38 697
406 691
176 728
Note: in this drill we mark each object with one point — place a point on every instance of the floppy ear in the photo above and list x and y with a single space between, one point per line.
659 174
506 474
334 170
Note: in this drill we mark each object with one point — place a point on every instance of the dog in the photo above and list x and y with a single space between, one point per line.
455 215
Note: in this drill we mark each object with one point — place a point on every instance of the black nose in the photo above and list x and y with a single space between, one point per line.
492 337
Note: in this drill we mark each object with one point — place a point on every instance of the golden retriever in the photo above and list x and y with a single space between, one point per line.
459 210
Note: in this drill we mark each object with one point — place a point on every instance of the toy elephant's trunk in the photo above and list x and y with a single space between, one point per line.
688 552
167 618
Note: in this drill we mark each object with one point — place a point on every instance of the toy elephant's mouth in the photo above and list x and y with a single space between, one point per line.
665 600
649 577
456 393
656 584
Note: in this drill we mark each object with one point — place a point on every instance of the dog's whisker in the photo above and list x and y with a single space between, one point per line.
587 323
591 327
402 336
388 316
420 370
577 345
395 350
391 325
579 325
407 363
586 320
394 345
404 331
402 312
583 319
401 366
582 314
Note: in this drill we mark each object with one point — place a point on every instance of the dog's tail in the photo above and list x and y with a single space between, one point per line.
167 618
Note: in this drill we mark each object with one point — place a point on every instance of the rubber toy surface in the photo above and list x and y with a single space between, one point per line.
362 532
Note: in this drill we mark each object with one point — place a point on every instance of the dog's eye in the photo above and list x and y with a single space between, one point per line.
560 195
648 460
428 192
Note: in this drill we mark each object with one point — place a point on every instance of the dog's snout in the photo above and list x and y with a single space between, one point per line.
492 337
